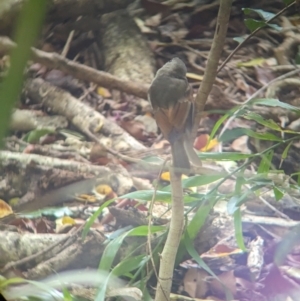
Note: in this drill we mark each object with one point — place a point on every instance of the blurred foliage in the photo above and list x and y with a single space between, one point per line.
26 32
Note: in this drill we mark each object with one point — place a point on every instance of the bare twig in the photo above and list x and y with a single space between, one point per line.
213 59
35 256
68 43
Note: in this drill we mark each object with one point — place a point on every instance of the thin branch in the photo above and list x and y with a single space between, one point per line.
213 59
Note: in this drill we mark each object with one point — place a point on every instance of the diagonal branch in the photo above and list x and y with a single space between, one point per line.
213 59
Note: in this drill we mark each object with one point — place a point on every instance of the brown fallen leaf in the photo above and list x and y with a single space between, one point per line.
135 128
194 283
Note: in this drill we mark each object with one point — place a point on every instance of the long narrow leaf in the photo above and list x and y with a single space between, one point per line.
265 162
217 125
239 230
225 156
147 195
259 119
271 102
199 218
94 217
201 180
129 265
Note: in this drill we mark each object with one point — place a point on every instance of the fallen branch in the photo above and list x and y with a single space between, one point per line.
79 114
80 71
95 175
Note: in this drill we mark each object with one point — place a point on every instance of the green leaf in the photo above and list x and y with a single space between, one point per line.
252 25
239 229
271 102
279 193
263 14
265 162
168 196
100 296
113 246
143 230
257 189
217 125
262 136
4 283
286 150
196 223
225 156
236 201
197 181
147 195
200 216
67 294
259 179
191 198
35 135
288 2
232 134
110 252
287 243
188 243
27 29
146 294
92 219
259 119
129 265
57 212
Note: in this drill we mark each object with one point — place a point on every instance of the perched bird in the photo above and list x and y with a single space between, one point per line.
172 101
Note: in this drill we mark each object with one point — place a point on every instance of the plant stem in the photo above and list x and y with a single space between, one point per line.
168 255
213 60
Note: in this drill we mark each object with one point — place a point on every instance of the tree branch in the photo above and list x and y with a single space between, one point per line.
213 59
80 71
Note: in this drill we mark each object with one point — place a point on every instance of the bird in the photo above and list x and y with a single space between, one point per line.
171 98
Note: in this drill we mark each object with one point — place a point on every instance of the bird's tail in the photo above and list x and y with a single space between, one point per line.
180 158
